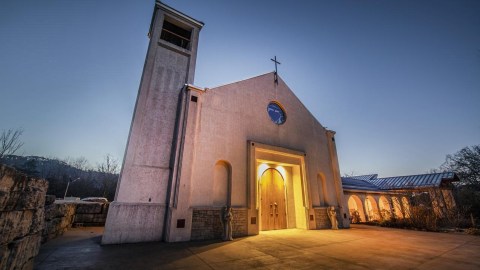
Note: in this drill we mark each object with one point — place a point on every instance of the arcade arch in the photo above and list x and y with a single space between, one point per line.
406 207
355 207
384 206
371 208
397 207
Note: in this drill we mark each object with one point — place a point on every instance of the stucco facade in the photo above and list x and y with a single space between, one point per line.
193 150
229 125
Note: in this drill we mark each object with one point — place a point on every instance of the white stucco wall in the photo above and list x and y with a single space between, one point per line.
232 114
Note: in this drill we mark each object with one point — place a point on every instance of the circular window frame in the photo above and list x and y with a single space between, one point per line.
280 106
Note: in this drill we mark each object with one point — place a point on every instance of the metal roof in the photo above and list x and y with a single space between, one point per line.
364 177
358 184
372 183
413 181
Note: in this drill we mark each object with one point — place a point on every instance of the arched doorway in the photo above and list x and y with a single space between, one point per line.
273 206
355 207
385 210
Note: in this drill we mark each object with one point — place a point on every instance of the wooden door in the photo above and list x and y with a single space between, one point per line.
273 208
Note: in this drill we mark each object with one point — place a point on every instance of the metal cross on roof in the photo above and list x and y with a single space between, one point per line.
275 74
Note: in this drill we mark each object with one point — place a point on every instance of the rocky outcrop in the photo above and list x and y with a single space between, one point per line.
22 200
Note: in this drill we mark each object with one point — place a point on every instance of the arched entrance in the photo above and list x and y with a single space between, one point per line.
272 196
279 189
355 208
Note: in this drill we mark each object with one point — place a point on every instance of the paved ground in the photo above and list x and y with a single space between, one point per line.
361 247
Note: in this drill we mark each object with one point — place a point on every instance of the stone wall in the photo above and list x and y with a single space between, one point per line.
240 225
22 200
61 215
321 218
58 219
323 222
207 223
91 214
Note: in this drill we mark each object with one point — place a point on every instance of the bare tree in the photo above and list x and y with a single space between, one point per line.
109 169
10 142
80 163
466 164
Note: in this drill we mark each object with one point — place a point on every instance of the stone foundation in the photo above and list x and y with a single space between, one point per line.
22 200
321 218
322 221
207 223
240 223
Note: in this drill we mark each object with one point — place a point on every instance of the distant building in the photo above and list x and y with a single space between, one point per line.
371 198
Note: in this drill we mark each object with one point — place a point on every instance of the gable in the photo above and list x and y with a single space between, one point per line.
262 88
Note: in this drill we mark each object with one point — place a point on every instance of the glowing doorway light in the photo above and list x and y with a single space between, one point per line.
282 171
261 168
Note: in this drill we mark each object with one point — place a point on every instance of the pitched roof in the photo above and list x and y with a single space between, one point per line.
414 181
371 182
364 177
358 184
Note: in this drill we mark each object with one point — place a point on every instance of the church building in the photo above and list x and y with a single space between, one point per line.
250 145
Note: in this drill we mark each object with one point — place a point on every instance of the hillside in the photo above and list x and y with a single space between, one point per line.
84 181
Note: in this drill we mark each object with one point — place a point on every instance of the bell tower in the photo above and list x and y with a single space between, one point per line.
139 211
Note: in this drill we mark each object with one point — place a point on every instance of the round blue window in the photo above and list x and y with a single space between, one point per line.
276 113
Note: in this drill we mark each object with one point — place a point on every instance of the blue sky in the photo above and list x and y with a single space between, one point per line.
399 81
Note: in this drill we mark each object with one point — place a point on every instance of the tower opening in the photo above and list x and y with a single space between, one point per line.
176 34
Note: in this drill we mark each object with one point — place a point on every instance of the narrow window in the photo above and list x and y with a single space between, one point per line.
176 34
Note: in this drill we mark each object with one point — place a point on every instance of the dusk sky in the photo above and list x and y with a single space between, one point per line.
399 81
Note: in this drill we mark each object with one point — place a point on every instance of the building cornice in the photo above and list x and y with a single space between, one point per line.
163 6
